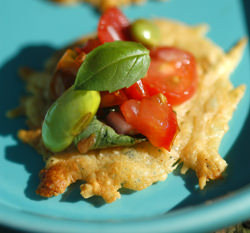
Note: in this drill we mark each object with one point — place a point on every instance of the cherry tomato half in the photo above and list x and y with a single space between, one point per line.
137 91
113 25
172 72
153 117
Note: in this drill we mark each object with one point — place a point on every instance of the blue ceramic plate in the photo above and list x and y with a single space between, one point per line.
30 31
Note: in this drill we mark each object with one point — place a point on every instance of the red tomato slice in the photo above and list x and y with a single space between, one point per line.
154 118
137 91
172 72
113 25
112 99
65 72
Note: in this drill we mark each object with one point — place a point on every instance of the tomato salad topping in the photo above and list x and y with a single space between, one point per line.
137 86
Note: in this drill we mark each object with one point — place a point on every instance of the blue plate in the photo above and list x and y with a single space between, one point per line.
30 31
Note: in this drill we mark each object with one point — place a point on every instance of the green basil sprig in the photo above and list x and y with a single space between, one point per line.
113 66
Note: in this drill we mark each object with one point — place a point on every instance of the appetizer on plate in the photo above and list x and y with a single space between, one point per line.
125 106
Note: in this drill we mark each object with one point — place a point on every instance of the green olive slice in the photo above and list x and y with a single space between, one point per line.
67 117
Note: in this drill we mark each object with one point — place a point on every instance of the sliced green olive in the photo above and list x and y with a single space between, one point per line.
68 116
145 32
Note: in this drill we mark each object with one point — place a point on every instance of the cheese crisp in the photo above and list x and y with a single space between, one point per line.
203 120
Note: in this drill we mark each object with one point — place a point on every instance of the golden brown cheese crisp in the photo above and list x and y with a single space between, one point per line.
203 120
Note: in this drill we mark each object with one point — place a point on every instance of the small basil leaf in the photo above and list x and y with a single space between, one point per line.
105 136
113 66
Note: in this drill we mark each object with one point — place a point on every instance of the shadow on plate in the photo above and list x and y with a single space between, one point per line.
11 90
73 195
236 176
237 173
246 4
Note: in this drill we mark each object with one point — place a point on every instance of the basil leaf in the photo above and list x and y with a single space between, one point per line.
113 66
105 136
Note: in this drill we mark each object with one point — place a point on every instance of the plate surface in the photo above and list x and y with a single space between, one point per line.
31 31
